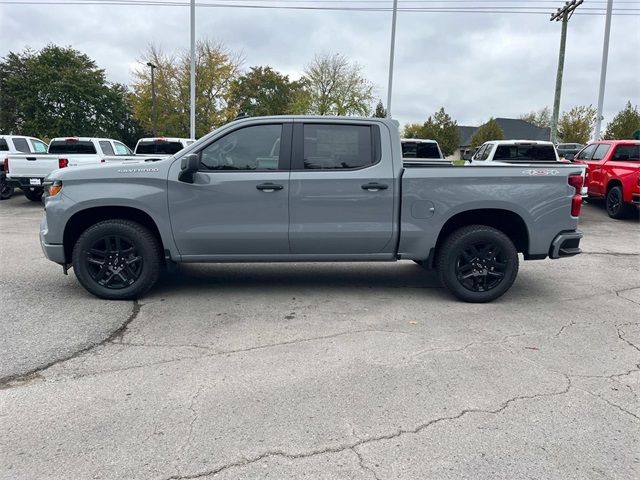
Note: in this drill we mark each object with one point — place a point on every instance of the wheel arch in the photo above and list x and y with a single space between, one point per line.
507 221
83 219
614 182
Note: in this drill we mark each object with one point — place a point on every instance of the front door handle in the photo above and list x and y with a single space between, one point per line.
374 186
269 187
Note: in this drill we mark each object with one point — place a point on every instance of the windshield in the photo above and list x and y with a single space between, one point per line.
72 146
158 148
525 153
420 150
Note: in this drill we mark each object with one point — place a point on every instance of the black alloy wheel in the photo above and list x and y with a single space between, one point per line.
481 266
113 262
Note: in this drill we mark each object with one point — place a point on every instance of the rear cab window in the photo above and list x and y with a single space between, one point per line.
158 147
71 145
420 150
525 153
21 145
339 146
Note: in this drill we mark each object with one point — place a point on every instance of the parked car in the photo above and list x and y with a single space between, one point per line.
613 173
515 151
565 149
27 171
161 146
10 144
415 149
307 189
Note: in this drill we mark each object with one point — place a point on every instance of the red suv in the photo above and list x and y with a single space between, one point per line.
613 173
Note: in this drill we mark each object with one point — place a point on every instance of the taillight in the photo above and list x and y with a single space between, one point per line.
63 163
576 181
6 167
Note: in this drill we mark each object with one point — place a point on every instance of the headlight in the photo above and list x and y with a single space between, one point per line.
54 189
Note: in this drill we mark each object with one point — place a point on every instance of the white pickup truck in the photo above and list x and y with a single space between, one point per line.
28 170
161 146
11 144
515 151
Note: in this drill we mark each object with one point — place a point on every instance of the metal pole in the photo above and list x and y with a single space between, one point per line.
603 70
556 100
193 71
391 55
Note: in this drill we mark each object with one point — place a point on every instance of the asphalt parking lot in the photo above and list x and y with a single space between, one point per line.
331 371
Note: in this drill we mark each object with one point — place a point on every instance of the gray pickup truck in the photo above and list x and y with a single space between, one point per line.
308 189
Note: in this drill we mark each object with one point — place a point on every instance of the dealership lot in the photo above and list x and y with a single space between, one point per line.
345 370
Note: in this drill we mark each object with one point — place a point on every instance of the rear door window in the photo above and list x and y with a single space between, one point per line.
106 147
337 147
627 153
38 146
21 145
71 145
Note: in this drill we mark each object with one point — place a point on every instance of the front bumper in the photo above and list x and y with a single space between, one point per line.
53 252
566 244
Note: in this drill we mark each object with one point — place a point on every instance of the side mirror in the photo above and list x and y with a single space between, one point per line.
569 156
190 165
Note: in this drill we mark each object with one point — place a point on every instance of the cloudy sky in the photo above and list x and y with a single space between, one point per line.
476 65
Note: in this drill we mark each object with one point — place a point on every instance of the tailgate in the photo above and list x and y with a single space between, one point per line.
36 166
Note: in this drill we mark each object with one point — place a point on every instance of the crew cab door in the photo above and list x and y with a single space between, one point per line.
237 204
342 190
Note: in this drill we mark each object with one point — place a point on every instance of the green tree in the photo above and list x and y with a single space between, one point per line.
540 118
624 124
337 87
487 132
576 125
412 130
380 111
216 70
60 91
443 129
263 91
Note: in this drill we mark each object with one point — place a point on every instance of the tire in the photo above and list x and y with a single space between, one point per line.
477 263
34 195
419 262
615 205
6 190
117 259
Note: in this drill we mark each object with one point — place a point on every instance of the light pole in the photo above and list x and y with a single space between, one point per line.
391 55
154 112
192 116
603 70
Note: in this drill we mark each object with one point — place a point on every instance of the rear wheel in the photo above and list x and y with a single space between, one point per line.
6 190
615 205
117 259
478 263
35 194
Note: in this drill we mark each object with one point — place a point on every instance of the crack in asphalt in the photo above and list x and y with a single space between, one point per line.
362 464
340 448
621 336
564 327
615 405
11 381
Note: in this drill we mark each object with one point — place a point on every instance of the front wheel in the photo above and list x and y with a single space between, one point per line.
478 263
35 194
117 259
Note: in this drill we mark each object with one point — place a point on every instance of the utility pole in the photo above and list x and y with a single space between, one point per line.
192 120
562 14
603 69
154 111
391 55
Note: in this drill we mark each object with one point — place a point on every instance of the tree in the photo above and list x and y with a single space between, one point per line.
487 132
624 124
412 130
439 127
380 111
336 86
216 70
540 118
576 125
263 91
60 91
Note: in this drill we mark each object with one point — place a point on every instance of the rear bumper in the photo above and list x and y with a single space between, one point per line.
24 182
566 244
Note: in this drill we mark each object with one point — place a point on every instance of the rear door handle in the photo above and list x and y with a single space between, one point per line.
269 187
374 186
31 159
